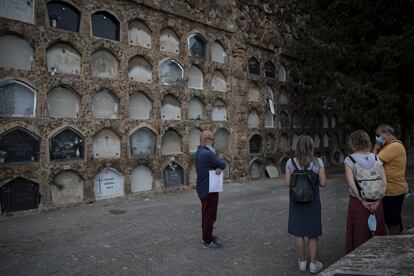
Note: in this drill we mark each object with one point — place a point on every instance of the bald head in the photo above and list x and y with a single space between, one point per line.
206 137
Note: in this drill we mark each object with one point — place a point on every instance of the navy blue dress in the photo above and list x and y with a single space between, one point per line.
305 217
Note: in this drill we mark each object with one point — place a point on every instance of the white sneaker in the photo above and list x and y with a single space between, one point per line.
302 265
315 267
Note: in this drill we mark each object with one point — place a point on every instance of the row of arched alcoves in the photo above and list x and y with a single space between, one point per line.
62 58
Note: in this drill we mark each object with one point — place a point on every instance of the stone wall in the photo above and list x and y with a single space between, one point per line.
245 30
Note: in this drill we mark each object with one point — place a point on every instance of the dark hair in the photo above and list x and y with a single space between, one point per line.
359 140
384 128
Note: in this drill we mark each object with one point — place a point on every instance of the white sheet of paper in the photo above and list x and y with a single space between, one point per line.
272 107
215 182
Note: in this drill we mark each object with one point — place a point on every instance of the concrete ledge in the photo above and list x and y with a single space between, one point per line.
386 255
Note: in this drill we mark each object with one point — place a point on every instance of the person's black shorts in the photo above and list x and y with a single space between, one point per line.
392 209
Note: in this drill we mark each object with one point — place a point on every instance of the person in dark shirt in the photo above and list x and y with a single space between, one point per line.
205 161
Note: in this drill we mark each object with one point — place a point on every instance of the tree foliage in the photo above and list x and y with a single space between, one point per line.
359 54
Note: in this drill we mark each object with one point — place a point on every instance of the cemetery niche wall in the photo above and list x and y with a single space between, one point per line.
18 195
94 98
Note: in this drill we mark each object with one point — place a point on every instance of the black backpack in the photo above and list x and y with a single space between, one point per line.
302 184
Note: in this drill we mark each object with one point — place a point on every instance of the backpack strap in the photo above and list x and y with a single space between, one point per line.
294 164
376 157
352 159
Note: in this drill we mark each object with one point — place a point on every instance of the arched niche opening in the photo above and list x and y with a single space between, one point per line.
269 68
143 142
171 143
16 52
142 179
140 106
218 53
173 175
283 143
325 140
256 144
139 34
269 119
256 170
171 73
194 139
269 92
253 121
63 103
253 94
106 144
283 97
254 66
18 195
140 70
109 183
170 108
105 25
67 144
104 105
219 112
169 41
282 73
63 16
284 120
63 59
195 78
197 46
296 120
325 121
219 82
195 109
18 145
67 187
317 141
104 64
222 140
17 99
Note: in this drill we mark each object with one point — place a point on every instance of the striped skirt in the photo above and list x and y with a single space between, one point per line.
357 231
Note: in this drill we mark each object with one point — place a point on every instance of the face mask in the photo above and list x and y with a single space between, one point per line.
379 140
372 223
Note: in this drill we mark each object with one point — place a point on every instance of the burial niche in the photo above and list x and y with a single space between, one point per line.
19 145
173 175
269 68
284 120
105 25
194 139
253 94
219 112
195 78
171 143
256 170
15 52
317 141
63 16
169 41
171 73
109 183
143 142
253 120
170 108
269 119
63 103
325 121
67 187
222 140
141 179
17 100
325 140
140 106
63 59
256 144
195 109
106 144
217 52
140 70
139 34
219 82
197 47
282 73
254 66
296 120
104 105
295 139
66 144
282 165
283 98
104 64
20 10
18 195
